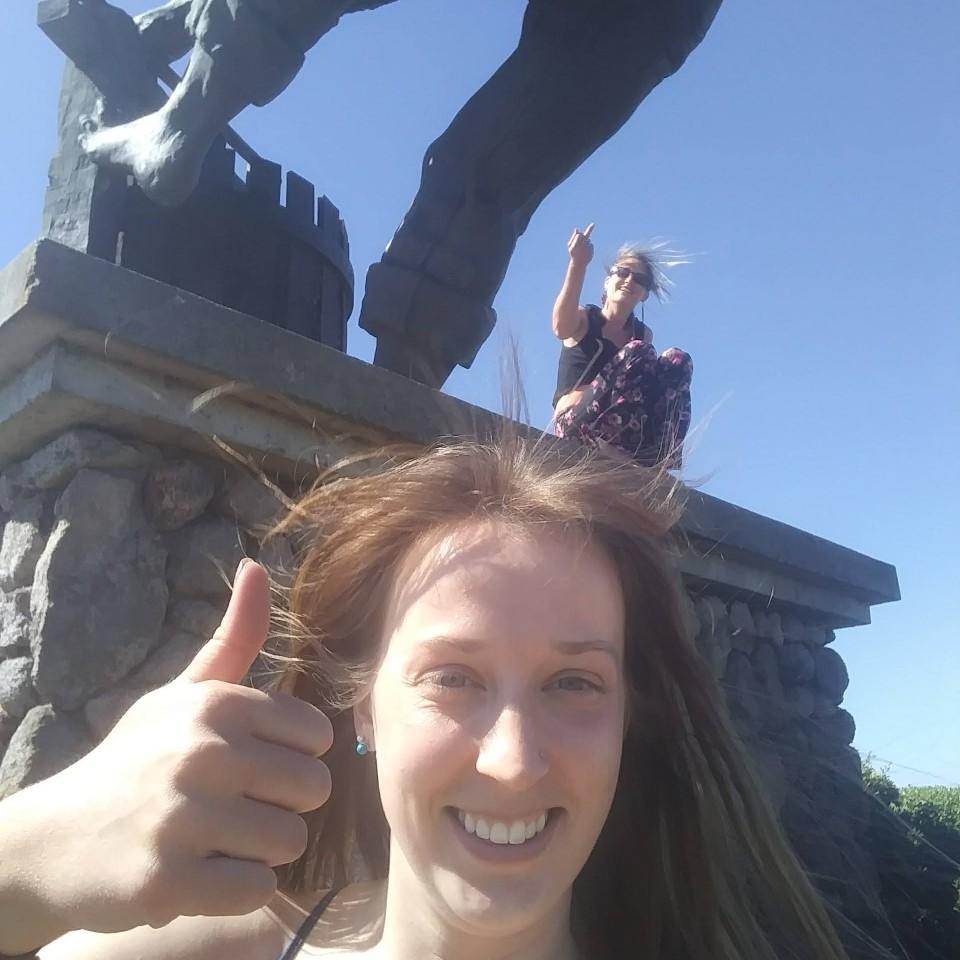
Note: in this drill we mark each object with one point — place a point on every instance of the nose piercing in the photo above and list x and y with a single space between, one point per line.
362 748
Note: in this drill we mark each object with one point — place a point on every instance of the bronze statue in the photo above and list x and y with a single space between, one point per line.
580 70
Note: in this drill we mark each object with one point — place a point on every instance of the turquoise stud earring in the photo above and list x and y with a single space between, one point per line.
362 748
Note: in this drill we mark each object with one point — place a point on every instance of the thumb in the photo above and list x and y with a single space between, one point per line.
234 646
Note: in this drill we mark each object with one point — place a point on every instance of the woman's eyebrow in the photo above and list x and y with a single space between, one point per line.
572 648
464 644
575 648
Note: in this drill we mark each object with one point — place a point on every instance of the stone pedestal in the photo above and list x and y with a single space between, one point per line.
148 438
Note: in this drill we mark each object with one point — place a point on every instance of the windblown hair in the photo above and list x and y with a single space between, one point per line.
659 257
691 863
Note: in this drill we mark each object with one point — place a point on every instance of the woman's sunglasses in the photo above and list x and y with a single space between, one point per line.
642 279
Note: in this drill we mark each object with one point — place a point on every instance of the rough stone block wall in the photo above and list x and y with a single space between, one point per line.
115 560
784 687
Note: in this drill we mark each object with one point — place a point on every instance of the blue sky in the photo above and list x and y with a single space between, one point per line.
808 154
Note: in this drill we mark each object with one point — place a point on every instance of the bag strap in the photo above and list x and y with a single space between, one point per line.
306 928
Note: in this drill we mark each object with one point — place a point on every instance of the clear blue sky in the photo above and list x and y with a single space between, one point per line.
809 154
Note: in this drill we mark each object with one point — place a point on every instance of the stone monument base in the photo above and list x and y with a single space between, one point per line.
148 440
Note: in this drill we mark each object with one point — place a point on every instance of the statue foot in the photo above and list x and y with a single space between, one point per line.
164 29
423 328
163 160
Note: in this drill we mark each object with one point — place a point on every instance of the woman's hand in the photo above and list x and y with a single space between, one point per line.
185 806
580 247
569 318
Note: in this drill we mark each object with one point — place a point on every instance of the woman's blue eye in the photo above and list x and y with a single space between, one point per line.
575 684
452 679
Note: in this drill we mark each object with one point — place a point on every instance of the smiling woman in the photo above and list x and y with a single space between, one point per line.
528 759
492 718
552 774
613 390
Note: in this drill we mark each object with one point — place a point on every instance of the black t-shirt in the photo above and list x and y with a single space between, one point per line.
579 364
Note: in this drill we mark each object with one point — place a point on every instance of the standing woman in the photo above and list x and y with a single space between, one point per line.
612 388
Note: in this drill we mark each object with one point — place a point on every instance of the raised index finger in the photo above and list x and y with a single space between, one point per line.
589 230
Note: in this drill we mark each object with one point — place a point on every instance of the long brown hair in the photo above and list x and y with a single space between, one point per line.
691 862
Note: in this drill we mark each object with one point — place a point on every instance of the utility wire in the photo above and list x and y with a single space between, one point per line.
903 766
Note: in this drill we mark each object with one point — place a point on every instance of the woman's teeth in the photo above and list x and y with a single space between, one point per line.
499 831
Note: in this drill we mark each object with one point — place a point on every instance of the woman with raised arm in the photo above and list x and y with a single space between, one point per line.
613 391
529 759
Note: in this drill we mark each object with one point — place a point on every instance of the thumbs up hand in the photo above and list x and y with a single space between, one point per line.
186 805
231 651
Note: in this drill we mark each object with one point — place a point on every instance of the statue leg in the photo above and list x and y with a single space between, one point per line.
244 52
579 72
164 29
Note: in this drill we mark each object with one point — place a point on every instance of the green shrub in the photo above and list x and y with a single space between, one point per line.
938 806
945 799
879 783
914 835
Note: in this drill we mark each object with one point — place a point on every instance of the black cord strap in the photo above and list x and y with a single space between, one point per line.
306 928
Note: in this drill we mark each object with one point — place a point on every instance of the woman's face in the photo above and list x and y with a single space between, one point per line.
626 290
497 716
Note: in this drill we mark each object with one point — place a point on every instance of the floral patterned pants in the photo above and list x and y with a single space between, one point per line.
639 403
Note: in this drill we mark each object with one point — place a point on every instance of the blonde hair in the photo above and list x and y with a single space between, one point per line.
660 258
691 862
